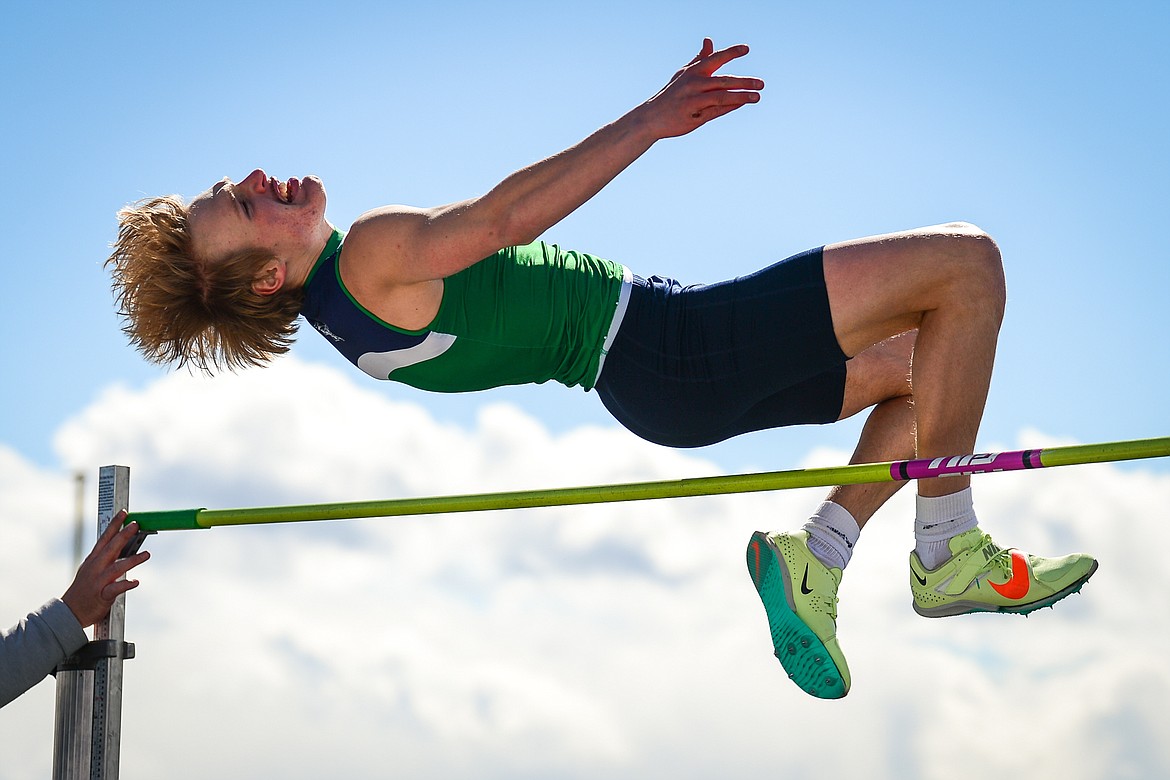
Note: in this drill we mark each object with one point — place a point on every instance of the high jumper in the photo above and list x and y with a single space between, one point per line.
465 296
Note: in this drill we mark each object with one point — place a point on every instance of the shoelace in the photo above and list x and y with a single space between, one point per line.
830 604
1001 559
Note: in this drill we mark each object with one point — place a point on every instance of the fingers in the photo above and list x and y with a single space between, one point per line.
704 51
734 83
724 106
728 100
114 539
115 589
707 61
110 578
110 565
123 565
98 581
113 531
711 60
721 95
699 76
105 563
695 95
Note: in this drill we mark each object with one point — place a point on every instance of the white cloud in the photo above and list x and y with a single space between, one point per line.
620 640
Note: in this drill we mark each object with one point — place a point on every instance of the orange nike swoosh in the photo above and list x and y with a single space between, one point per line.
1016 587
756 568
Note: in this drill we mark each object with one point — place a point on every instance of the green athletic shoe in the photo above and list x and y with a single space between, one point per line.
982 577
800 596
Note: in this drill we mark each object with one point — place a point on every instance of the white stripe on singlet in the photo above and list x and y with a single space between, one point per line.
619 314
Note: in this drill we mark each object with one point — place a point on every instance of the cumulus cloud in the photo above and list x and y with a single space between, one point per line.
619 640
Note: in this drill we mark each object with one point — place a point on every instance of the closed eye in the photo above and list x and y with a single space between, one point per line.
241 204
237 201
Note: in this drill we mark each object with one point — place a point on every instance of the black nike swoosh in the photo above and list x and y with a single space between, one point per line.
921 580
804 588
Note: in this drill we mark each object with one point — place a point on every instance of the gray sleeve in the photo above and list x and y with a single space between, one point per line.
34 647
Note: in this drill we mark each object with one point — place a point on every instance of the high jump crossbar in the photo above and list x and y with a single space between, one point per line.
859 473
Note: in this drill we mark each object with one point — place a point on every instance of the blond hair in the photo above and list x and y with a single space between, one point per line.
178 308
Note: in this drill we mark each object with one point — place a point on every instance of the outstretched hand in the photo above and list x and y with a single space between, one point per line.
96 585
695 94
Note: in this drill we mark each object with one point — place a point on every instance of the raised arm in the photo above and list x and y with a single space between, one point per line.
401 246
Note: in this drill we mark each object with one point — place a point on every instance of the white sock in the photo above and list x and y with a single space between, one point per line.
937 521
832 532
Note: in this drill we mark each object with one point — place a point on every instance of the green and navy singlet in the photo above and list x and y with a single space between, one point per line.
522 315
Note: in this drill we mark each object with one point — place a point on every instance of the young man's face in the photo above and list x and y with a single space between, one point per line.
260 212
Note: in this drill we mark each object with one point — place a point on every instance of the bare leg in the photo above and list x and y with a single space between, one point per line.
927 303
946 282
880 375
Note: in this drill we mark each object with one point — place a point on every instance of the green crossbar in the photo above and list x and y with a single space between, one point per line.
860 473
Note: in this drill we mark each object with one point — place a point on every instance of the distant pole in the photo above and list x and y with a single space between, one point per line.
78 518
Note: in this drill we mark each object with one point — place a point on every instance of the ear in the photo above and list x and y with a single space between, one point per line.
270 278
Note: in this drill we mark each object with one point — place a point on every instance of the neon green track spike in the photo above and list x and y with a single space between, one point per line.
800 597
981 576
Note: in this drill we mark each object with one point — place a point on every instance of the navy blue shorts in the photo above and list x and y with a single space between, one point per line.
695 365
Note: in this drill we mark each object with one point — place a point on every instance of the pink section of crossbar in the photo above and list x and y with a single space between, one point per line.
925 468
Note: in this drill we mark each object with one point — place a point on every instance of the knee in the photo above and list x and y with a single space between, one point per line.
977 267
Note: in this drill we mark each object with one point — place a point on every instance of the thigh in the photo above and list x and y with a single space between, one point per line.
880 286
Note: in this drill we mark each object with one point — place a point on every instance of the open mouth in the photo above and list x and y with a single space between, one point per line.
286 191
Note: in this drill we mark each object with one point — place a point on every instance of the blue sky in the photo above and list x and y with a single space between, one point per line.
1045 123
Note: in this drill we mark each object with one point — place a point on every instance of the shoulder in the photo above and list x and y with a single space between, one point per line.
406 245
388 245
378 246
380 266
385 233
